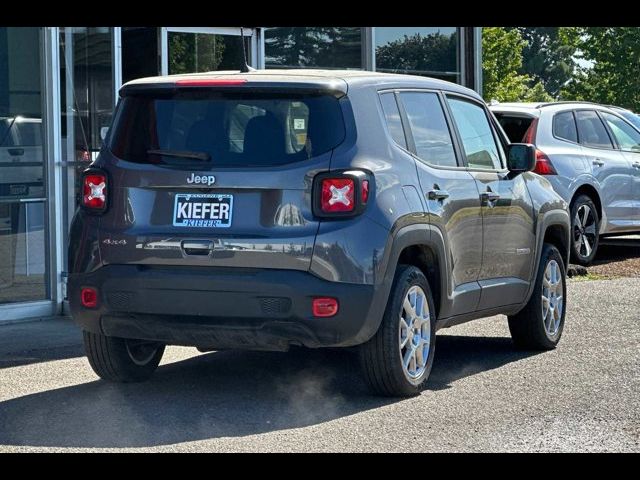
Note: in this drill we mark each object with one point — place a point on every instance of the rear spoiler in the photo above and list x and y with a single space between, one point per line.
335 88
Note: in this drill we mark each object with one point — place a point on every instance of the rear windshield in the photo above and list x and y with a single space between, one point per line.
218 129
515 127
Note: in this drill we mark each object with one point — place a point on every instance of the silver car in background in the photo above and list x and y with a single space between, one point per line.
591 155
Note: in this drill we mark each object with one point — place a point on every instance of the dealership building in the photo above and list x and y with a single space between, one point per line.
59 87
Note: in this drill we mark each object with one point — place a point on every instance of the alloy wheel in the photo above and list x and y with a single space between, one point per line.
552 298
584 230
414 334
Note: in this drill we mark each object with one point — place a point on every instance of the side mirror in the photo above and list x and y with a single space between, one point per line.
521 157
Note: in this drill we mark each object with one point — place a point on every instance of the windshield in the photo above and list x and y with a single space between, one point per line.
249 129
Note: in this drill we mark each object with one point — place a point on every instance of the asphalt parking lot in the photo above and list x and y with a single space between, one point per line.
482 396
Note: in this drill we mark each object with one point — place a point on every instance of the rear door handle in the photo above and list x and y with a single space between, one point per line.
489 196
437 194
598 162
636 164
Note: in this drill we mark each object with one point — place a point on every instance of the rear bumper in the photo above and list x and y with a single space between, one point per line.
221 308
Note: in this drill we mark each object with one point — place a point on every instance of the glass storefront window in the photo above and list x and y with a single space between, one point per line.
427 51
139 53
205 52
313 47
87 103
23 229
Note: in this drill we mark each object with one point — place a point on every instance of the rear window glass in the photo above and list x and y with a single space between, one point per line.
564 126
392 117
515 127
226 129
18 132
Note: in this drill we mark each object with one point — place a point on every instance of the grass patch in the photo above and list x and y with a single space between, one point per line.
589 276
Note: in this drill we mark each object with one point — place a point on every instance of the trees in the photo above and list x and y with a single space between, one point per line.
548 56
598 64
501 64
195 53
322 47
610 71
419 54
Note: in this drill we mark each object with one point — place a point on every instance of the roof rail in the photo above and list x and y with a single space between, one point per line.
562 102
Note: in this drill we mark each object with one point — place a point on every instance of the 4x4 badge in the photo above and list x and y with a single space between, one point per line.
201 179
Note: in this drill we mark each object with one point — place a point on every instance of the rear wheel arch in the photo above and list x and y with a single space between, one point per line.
591 192
554 227
422 246
559 236
425 258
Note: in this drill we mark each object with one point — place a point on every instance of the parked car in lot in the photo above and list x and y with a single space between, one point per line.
591 155
21 167
370 210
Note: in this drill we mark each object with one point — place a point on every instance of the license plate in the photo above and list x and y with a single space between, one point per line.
203 210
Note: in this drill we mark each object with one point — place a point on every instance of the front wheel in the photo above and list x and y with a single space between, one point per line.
120 359
397 360
539 325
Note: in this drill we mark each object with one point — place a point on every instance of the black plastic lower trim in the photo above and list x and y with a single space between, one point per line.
220 307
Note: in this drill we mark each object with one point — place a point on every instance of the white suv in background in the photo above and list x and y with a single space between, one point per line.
21 167
591 155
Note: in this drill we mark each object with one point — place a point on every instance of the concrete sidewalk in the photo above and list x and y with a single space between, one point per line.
40 340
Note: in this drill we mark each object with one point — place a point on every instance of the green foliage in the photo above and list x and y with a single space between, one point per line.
548 56
195 53
612 73
537 93
598 64
419 54
501 62
322 47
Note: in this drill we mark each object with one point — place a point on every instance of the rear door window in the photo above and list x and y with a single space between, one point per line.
251 129
429 128
564 127
591 130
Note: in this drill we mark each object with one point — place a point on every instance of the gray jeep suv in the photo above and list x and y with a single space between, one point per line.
591 155
310 208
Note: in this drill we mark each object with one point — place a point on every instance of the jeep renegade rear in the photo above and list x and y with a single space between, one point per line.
313 208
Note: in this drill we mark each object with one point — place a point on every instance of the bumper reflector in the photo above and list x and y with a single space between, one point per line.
89 297
325 307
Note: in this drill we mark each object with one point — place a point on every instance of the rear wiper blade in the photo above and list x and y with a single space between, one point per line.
203 156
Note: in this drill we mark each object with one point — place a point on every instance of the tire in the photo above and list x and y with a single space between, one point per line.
381 357
584 238
530 328
122 360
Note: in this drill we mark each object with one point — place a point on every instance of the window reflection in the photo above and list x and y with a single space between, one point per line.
428 51
23 252
205 52
313 47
